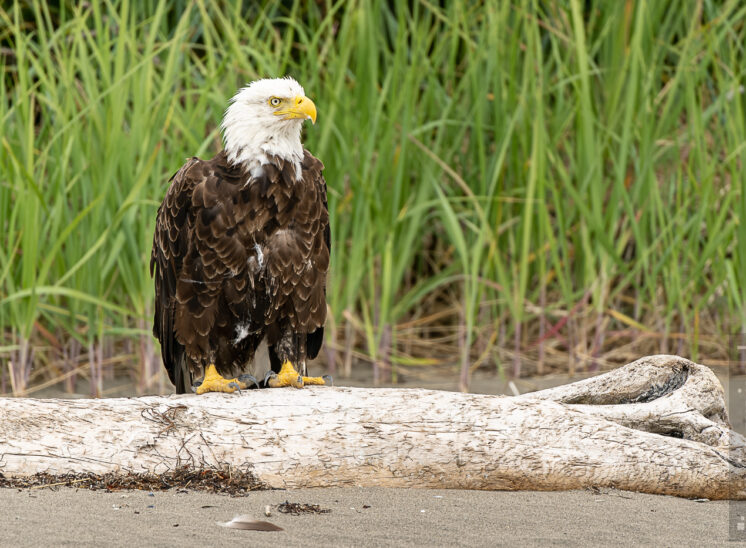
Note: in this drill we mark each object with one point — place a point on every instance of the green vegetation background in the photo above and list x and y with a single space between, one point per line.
527 185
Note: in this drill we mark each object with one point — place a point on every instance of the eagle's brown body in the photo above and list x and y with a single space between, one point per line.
236 258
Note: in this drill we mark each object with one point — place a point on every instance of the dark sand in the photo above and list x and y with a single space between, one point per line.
395 517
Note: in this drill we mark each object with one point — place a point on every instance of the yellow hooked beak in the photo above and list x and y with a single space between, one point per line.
298 107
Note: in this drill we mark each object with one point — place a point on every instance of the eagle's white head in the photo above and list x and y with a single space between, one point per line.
265 119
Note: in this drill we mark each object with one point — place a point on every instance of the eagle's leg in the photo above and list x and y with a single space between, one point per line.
289 351
215 382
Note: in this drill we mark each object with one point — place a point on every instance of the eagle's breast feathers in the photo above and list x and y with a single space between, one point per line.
238 254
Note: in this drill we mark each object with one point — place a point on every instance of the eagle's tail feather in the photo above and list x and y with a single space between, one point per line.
182 376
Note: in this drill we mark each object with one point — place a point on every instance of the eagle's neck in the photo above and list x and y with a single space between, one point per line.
251 143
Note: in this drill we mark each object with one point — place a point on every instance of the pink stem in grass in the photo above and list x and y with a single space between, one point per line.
553 330
376 372
373 352
100 365
382 361
542 327
571 347
95 358
464 379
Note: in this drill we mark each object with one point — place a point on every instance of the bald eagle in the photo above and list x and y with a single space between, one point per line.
241 249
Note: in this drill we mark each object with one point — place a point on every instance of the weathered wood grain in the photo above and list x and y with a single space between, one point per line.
657 425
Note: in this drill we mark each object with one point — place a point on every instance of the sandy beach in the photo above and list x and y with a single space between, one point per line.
360 517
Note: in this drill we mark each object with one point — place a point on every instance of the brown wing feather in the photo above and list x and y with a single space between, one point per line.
321 253
234 257
205 276
170 243
298 256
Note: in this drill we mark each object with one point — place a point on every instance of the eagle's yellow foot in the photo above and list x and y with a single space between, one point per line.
214 382
288 376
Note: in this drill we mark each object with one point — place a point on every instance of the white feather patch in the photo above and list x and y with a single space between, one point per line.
259 255
242 331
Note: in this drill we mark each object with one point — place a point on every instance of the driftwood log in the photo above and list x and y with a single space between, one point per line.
657 425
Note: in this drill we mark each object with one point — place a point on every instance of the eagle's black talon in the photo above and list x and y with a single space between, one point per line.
328 380
268 376
196 385
248 380
234 385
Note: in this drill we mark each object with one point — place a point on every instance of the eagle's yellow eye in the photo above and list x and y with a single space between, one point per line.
274 101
